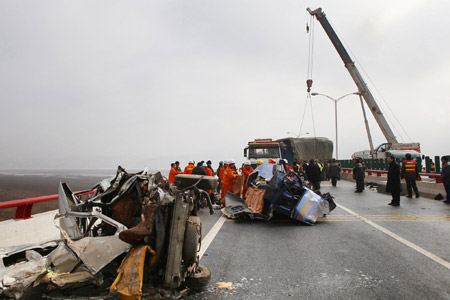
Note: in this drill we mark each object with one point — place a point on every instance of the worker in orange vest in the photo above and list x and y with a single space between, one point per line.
174 171
288 167
247 170
188 169
410 172
229 178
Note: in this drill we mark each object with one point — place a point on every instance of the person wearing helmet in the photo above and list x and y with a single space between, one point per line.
259 162
188 169
247 170
288 167
228 179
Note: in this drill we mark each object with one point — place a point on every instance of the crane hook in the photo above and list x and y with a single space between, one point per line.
309 83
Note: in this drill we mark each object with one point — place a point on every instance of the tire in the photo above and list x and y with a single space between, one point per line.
199 279
192 236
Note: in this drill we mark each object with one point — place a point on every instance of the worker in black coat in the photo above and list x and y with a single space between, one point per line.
394 184
313 174
359 173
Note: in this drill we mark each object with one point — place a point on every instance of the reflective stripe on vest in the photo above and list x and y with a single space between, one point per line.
410 166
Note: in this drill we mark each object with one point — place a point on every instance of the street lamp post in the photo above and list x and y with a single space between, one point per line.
335 113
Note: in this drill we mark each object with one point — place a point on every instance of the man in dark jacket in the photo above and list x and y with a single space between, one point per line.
410 171
445 177
218 173
359 174
333 171
313 174
393 183
199 169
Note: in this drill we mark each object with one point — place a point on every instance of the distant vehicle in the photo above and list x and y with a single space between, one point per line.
263 149
388 149
288 148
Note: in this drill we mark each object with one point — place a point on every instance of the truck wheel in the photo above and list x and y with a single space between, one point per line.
200 278
192 237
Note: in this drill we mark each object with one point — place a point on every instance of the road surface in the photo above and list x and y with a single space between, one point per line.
364 249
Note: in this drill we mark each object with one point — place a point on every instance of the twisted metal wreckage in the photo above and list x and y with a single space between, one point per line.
135 236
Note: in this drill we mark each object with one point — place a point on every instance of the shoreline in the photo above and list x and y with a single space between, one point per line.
15 187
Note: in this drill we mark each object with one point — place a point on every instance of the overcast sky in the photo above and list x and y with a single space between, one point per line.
95 84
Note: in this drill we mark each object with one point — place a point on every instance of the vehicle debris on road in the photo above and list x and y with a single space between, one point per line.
135 235
272 190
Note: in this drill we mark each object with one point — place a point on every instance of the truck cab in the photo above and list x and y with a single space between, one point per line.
263 149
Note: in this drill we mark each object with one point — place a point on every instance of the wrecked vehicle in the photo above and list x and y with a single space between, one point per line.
135 235
272 191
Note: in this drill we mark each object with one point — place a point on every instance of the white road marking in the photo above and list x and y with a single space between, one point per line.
428 254
211 235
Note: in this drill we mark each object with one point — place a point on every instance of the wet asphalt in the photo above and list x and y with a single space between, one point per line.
341 257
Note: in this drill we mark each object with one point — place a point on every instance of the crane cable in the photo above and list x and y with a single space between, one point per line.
310 31
309 81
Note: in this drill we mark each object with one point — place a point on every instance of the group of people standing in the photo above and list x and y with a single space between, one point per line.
227 174
409 171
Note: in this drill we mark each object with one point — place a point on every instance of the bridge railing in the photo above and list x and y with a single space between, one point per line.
426 164
435 176
24 206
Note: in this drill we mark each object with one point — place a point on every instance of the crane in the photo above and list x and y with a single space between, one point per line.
356 76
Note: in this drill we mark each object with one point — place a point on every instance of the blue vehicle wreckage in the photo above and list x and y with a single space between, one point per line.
280 193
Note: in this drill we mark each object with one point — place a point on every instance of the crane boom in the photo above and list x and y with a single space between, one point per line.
356 76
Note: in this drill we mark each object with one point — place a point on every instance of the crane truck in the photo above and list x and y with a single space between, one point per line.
392 147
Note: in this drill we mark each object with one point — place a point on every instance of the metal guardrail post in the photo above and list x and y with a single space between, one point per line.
427 164
419 163
437 164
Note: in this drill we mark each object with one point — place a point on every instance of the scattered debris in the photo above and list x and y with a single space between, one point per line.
224 285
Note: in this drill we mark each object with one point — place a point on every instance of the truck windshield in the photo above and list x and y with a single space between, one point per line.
264 153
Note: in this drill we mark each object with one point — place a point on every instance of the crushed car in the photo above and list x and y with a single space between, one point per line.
274 192
130 236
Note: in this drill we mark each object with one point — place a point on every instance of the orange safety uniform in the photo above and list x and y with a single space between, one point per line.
246 171
288 167
228 179
222 171
189 168
172 174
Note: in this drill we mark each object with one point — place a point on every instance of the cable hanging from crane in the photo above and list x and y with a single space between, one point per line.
310 31
309 81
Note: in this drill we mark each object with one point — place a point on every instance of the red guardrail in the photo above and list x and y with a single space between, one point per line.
434 176
24 206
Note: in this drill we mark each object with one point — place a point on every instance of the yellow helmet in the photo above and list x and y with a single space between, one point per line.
259 162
